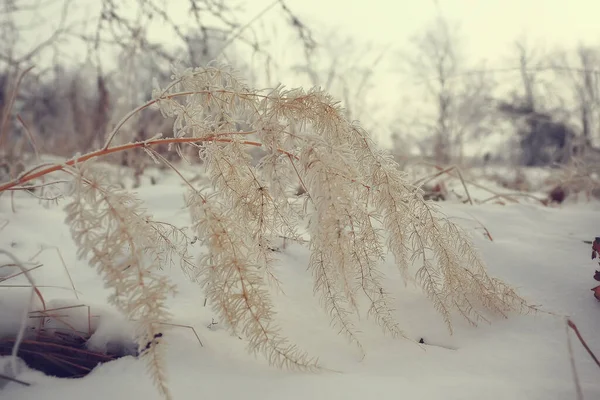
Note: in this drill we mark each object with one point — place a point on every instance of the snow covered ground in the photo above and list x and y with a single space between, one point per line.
537 249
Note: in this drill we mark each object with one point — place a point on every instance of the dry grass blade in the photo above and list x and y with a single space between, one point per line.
509 197
423 181
5 278
186 326
24 272
62 260
11 379
60 355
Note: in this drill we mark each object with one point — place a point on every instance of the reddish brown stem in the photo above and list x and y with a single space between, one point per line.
103 152
590 352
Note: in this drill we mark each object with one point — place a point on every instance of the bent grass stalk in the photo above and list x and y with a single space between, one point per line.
31 175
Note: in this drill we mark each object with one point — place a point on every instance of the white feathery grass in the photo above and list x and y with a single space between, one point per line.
357 205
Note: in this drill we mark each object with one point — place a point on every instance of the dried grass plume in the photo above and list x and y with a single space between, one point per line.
356 206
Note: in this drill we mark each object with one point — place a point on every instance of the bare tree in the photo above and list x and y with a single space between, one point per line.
588 92
13 52
474 116
462 97
123 56
437 56
528 76
16 59
538 110
345 68
581 76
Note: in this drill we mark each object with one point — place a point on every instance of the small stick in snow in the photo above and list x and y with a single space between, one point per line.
8 378
572 325
423 181
573 366
422 341
185 326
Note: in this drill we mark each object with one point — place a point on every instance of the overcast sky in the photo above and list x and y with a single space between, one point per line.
488 27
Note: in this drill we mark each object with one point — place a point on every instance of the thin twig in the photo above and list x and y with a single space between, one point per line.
19 273
247 24
477 185
487 232
573 366
8 378
447 171
41 185
62 260
149 103
11 102
25 272
506 196
572 325
102 152
30 137
185 326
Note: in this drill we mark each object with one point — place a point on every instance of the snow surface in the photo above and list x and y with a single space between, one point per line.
537 249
